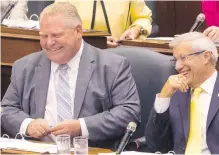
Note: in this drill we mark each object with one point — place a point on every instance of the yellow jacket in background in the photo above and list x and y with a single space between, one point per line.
117 12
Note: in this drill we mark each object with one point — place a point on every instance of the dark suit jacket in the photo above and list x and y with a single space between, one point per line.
170 130
105 96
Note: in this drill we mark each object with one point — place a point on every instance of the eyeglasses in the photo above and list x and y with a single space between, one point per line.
184 57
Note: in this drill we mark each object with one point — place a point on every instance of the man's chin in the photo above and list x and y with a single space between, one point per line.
55 58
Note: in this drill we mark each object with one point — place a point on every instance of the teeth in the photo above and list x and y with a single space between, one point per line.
55 50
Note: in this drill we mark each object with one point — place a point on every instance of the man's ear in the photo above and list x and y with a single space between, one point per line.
79 31
207 56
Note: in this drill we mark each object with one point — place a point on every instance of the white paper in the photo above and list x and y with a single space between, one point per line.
106 153
27 24
128 153
136 153
25 145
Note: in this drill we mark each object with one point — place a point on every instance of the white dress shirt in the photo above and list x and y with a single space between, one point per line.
162 104
51 103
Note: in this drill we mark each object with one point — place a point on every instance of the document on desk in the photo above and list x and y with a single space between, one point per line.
137 153
129 153
24 145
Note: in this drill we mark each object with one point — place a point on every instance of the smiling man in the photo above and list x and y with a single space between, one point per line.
185 115
70 87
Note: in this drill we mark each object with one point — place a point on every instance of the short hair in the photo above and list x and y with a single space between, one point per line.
66 9
198 42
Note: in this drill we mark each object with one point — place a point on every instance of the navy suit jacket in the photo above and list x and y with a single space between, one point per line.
170 130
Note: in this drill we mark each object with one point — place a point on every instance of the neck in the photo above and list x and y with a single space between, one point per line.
205 75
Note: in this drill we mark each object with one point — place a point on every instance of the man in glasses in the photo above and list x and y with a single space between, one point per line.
185 115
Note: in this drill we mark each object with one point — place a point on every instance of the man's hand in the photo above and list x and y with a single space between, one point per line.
212 33
112 42
70 127
38 128
174 82
131 33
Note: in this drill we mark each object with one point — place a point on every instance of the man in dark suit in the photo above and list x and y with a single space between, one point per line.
185 116
70 87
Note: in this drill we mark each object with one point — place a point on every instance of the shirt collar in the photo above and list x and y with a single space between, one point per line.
208 85
73 63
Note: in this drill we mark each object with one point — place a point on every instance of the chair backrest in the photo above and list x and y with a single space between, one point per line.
150 71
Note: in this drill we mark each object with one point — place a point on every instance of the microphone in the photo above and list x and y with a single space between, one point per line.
129 131
198 22
8 9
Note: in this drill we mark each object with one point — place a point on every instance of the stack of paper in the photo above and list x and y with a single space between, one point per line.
17 144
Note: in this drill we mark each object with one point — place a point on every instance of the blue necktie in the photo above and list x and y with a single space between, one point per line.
64 106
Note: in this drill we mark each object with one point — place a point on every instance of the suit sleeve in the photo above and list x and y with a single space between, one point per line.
13 115
126 107
141 15
158 132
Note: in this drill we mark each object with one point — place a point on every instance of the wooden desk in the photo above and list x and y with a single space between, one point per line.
90 151
16 43
156 45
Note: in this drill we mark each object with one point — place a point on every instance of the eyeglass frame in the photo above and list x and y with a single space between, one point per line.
184 57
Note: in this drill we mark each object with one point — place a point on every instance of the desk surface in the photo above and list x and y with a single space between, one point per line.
90 151
6 31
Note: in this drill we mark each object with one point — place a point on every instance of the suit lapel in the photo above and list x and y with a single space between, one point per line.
184 104
42 72
84 74
214 105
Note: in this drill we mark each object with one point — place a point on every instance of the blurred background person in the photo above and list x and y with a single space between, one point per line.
123 19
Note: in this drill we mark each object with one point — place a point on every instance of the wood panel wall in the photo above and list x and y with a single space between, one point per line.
176 17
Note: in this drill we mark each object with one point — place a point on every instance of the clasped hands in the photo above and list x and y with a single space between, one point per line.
39 128
174 83
131 33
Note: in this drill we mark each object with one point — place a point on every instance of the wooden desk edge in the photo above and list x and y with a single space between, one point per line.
6 64
34 34
91 151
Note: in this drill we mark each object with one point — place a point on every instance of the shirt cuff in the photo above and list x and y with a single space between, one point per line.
161 104
84 131
24 126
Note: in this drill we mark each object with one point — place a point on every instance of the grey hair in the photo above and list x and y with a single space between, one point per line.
199 42
66 9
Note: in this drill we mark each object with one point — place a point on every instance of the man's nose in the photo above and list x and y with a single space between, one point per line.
50 41
179 65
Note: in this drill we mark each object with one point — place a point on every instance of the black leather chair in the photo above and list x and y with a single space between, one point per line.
150 71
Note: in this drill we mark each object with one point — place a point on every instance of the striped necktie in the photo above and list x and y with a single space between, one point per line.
194 144
64 106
